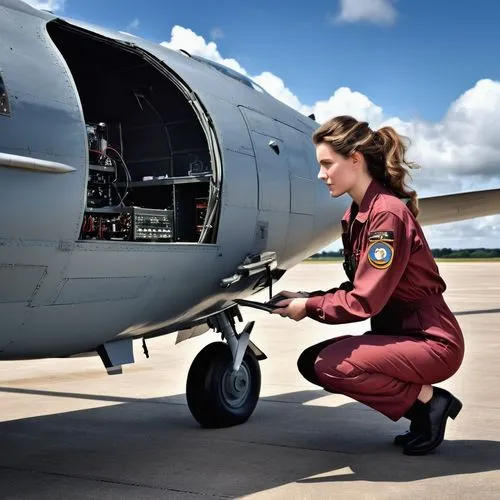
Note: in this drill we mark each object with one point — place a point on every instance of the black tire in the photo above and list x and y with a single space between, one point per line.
215 397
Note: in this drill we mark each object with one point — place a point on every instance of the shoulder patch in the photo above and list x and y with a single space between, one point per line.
380 254
381 236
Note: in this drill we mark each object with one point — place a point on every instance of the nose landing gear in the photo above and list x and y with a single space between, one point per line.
223 384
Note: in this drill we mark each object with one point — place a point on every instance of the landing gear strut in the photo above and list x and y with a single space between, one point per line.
223 384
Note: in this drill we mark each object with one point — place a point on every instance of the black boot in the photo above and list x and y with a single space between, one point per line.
416 415
441 406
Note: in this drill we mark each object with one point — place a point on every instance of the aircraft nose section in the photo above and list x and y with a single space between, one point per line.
328 214
311 232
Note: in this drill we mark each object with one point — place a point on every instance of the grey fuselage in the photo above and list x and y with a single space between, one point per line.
234 168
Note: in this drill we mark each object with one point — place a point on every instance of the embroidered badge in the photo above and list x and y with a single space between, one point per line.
380 254
381 235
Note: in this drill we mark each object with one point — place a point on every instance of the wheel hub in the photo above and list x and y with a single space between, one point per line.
236 386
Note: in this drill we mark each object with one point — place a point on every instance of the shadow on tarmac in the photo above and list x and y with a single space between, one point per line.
155 445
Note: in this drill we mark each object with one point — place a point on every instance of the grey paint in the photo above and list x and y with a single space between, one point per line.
82 290
301 196
116 353
461 206
22 281
35 164
61 296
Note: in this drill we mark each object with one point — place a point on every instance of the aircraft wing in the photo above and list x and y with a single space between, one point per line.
456 207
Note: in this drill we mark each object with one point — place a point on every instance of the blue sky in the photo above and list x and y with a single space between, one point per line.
430 68
441 47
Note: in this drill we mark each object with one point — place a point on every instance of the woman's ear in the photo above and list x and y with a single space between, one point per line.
357 159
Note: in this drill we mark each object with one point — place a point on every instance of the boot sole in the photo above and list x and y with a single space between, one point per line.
404 439
453 410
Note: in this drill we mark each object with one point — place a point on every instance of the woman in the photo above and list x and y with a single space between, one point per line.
415 341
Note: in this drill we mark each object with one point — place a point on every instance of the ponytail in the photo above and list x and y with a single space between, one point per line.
394 151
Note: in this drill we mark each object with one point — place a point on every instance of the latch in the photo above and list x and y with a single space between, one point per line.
253 264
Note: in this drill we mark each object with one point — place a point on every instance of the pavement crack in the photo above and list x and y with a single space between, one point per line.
294 447
111 481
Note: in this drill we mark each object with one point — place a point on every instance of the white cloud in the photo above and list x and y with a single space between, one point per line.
216 33
52 5
466 142
133 25
481 232
276 87
380 12
183 38
459 153
342 101
345 101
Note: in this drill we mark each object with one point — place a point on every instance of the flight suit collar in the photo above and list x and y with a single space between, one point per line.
374 189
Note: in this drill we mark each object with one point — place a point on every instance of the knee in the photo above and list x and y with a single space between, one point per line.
319 358
333 365
332 378
305 365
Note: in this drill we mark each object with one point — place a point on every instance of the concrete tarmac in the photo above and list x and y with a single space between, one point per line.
68 430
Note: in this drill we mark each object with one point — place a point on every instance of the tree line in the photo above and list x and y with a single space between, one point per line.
440 253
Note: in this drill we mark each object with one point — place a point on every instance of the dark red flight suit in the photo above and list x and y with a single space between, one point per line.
414 338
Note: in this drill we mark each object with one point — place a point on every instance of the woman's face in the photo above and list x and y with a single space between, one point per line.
336 171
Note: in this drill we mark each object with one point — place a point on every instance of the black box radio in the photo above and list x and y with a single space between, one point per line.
153 225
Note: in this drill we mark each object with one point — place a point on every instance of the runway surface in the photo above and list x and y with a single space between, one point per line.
68 430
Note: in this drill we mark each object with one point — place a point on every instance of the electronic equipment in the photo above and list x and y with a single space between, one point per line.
201 213
197 167
101 190
118 207
153 224
100 225
128 224
97 141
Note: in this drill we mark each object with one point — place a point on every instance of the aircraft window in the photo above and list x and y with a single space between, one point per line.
231 73
4 99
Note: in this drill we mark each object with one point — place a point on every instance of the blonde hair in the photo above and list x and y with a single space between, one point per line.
384 152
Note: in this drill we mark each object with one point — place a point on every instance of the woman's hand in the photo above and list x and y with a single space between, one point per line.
290 295
294 308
